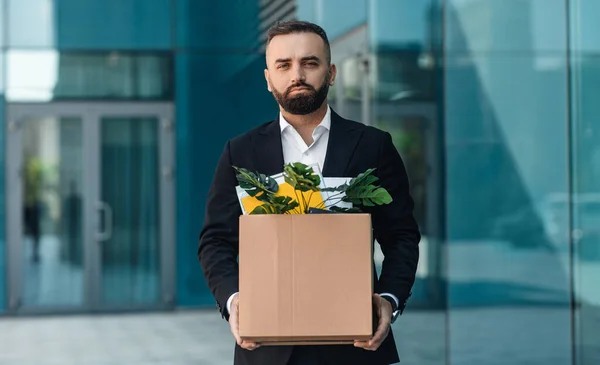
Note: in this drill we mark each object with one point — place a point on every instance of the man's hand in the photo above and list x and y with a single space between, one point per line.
235 325
384 313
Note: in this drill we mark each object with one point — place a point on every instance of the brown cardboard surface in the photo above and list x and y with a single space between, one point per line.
306 278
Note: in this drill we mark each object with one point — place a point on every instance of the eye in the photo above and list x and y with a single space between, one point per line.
283 66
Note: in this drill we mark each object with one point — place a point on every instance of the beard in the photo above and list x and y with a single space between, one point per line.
304 103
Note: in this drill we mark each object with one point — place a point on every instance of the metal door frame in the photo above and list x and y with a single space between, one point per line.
90 114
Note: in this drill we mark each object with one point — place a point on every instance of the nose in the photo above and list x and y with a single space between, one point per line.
298 75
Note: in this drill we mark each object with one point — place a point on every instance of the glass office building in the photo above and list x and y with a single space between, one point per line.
115 112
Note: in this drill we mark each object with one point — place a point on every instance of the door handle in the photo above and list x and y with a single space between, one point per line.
107 211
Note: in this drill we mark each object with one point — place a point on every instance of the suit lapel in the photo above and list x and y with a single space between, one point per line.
343 138
268 149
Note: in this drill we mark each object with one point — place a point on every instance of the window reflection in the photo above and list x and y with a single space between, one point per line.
585 201
52 75
31 23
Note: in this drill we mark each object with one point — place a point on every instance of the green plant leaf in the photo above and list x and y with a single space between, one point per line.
301 177
345 210
361 191
335 189
363 179
278 205
368 196
257 185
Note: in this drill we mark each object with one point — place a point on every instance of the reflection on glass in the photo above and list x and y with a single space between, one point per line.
404 74
2 72
585 204
350 84
2 21
505 160
31 23
408 135
514 26
52 75
130 192
52 242
403 24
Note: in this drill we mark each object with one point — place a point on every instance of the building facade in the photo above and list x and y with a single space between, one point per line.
115 112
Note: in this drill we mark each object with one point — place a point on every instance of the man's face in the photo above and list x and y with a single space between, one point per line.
298 73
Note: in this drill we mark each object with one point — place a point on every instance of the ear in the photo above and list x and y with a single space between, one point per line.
267 80
333 73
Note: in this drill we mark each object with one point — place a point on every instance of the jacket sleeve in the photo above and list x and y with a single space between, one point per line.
218 242
395 227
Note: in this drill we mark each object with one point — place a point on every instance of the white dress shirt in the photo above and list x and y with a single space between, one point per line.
296 150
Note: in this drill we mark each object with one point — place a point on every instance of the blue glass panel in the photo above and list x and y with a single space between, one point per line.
585 202
223 24
129 149
505 25
2 203
43 75
585 198
402 24
584 26
90 24
132 24
205 121
306 10
2 23
327 15
31 23
506 151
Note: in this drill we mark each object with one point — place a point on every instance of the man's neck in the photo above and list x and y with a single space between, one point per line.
308 121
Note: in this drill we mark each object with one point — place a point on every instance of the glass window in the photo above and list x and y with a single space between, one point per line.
121 24
404 39
2 71
505 160
327 15
52 206
583 25
234 79
2 24
585 198
52 75
3 268
505 25
89 24
402 24
306 10
226 24
31 23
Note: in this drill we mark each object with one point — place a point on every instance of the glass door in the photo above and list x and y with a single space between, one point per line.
45 201
90 207
134 201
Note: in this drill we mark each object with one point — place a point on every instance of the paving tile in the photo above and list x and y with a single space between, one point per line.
477 336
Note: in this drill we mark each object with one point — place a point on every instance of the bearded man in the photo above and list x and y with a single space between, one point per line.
299 73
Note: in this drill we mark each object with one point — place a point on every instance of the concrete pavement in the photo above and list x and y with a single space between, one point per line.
532 336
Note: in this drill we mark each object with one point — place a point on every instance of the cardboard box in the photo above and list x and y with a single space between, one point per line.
306 279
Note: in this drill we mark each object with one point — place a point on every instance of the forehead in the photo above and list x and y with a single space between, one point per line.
295 46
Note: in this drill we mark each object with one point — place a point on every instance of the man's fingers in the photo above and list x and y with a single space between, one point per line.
249 345
381 332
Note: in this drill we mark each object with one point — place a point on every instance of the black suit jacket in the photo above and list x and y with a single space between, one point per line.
352 149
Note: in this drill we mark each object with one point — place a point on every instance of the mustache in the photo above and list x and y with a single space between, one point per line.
300 84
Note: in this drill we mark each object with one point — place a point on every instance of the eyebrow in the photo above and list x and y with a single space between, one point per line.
307 58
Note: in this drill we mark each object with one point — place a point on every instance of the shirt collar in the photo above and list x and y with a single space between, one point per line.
325 123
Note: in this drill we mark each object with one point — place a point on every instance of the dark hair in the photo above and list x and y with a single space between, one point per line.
298 26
